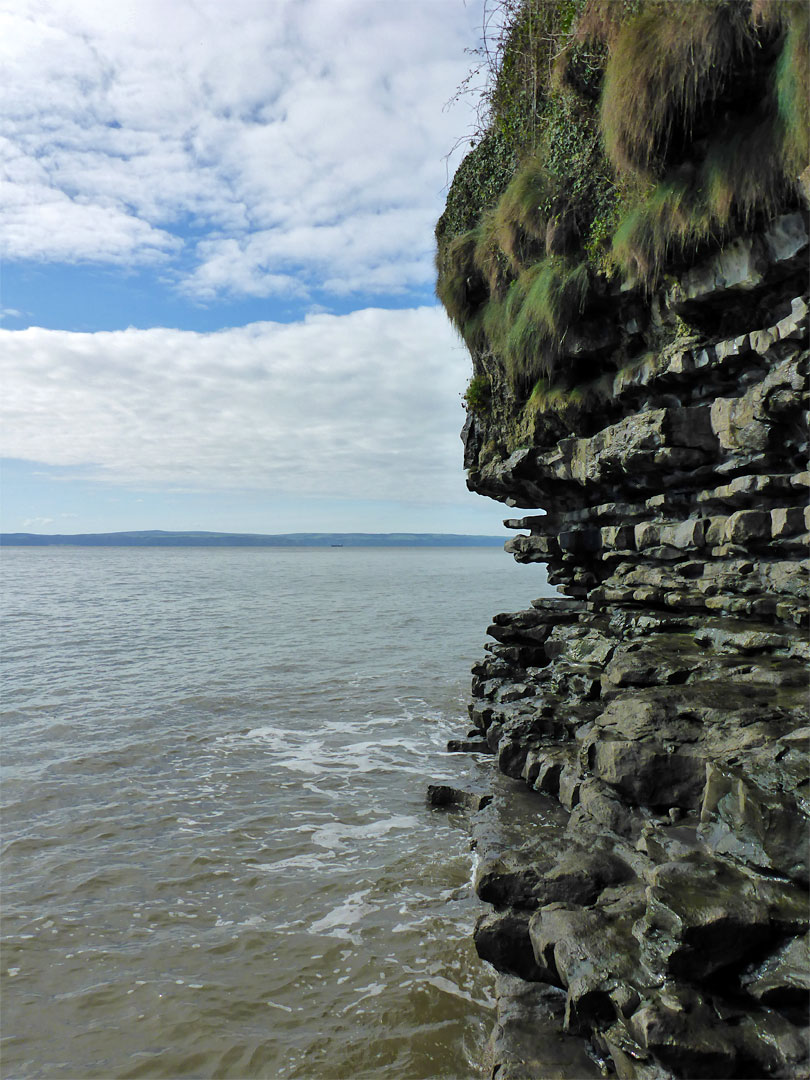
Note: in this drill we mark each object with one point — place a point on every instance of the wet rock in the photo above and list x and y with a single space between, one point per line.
528 1043
665 843
440 795
740 818
768 1044
662 703
681 1032
629 1059
468 746
600 804
595 956
703 915
784 977
649 773
551 868
502 939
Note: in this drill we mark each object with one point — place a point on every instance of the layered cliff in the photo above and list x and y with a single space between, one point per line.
637 318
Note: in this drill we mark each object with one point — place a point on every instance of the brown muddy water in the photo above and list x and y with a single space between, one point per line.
217 856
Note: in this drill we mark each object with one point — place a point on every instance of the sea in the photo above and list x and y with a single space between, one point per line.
217 855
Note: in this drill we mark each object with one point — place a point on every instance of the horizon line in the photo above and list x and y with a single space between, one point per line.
201 538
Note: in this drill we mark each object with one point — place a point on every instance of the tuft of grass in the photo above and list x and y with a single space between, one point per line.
478 395
793 88
521 215
791 20
739 181
459 284
741 176
602 20
554 292
665 224
489 256
568 403
663 67
495 321
499 315
547 397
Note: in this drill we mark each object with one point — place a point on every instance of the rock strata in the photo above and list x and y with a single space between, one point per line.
653 923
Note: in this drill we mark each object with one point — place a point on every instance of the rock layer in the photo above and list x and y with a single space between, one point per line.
658 920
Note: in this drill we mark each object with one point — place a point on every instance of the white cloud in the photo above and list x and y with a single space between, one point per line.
365 405
297 138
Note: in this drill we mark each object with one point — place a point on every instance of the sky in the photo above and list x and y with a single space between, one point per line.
217 280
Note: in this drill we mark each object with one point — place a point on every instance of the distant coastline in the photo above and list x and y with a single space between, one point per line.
161 538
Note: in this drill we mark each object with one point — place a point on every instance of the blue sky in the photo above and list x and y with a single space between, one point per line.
217 276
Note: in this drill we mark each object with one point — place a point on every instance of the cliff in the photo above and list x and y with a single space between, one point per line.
639 350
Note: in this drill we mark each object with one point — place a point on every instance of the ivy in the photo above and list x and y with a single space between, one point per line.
479 181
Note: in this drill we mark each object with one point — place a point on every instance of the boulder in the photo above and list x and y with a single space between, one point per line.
528 1043
703 915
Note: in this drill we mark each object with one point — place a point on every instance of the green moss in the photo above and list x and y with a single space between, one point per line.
739 181
526 52
489 255
495 320
599 238
741 176
574 158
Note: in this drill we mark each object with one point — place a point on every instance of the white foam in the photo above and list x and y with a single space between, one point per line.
295 862
346 914
338 834
304 761
448 987
371 991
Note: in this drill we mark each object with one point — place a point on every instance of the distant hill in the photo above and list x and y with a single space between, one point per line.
160 538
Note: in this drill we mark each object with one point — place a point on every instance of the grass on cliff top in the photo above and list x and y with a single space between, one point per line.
623 137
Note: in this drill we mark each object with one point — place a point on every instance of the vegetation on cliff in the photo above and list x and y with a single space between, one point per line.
620 140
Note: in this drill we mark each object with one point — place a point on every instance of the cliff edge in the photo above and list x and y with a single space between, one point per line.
625 252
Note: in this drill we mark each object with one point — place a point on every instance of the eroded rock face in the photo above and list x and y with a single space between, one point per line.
661 702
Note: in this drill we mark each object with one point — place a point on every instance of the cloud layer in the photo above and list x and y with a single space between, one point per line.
365 405
248 148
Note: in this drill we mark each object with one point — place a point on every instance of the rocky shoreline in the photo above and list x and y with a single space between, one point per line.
645 850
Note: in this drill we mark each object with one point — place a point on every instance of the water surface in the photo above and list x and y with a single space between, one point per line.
218 861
